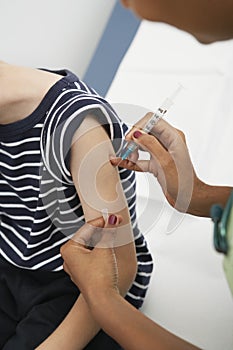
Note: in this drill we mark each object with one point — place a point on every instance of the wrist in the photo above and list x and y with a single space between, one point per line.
200 190
204 196
100 304
100 297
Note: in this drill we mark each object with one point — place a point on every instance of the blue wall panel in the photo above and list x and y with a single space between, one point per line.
116 39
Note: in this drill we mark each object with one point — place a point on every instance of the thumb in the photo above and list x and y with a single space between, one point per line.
140 165
105 237
85 233
92 232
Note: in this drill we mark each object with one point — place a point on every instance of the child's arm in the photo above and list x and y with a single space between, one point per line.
123 322
98 185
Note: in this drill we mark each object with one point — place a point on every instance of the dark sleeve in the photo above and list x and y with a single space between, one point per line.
61 124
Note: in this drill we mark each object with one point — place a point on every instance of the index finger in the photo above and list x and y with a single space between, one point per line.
163 131
139 125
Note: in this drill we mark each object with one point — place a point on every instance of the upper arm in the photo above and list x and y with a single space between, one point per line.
98 185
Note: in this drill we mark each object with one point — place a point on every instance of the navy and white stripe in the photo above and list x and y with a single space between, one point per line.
39 206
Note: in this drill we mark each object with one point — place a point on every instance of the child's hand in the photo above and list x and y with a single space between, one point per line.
96 269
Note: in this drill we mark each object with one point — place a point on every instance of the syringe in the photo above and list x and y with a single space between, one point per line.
161 111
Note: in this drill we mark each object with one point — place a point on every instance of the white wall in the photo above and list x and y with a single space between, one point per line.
52 33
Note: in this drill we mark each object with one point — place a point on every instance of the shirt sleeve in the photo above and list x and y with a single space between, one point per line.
62 121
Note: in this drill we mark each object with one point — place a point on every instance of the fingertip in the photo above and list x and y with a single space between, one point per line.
137 134
128 136
114 160
142 138
114 219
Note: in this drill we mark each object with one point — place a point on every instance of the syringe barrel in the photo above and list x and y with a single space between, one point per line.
153 120
132 146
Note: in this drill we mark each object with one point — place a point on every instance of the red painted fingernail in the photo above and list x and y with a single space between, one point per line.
112 219
137 134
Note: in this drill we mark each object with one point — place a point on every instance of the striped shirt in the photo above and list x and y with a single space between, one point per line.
39 205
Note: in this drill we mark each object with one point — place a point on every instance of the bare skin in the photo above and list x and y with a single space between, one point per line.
207 20
22 89
170 163
128 326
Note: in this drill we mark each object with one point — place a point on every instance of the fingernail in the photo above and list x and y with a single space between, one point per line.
137 134
112 219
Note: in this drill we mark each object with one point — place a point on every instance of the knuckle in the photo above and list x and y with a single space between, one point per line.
150 141
181 134
63 249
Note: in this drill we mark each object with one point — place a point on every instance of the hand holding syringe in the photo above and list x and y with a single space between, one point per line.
161 111
170 162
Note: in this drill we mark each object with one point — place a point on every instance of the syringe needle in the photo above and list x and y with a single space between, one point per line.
159 114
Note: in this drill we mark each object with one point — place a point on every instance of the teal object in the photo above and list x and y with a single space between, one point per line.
223 236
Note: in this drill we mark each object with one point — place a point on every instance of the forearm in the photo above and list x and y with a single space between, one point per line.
127 266
79 326
75 331
204 196
129 327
